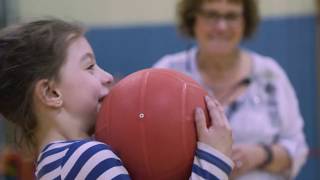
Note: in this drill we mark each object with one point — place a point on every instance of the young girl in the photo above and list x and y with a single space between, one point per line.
51 89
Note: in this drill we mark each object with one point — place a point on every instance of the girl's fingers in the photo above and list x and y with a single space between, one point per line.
200 120
213 111
223 119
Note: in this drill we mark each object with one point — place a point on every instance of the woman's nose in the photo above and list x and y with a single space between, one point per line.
221 24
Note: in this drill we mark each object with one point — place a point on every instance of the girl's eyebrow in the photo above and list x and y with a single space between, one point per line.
87 56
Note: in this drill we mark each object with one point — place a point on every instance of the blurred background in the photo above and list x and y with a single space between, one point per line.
131 35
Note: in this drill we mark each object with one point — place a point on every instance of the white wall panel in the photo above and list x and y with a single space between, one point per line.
287 7
100 12
129 12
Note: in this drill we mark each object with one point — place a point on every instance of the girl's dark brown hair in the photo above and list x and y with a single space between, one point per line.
187 10
30 52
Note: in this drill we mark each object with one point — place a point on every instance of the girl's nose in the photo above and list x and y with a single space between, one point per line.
106 78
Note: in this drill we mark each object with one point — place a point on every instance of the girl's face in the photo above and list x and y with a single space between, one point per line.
219 26
83 84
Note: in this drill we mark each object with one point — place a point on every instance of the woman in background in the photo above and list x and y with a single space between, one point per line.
258 98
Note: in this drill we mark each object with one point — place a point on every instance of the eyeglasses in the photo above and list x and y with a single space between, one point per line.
213 17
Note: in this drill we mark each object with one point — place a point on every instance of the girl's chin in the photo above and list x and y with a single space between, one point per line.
99 107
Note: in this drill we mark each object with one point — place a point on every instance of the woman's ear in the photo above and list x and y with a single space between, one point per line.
47 94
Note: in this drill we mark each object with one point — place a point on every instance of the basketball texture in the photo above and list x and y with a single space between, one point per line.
148 120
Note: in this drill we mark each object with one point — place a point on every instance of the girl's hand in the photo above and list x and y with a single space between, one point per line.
218 135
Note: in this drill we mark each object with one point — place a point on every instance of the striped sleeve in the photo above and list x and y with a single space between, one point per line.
210 164
93 160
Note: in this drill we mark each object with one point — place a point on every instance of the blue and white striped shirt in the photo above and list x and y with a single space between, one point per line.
88 159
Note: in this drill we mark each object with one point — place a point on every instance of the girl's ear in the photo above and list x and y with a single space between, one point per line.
46 92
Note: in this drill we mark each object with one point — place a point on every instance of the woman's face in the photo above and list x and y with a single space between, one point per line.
219 26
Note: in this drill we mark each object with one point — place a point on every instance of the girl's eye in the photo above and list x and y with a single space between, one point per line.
90 67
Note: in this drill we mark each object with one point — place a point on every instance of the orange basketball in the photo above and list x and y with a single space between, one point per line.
148 119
